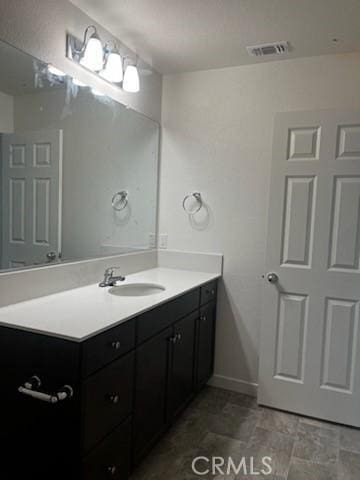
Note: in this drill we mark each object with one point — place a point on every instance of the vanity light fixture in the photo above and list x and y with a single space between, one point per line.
55 71
104 61
113 70
92 51
131 82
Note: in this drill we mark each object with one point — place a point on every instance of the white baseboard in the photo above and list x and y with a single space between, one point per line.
233 384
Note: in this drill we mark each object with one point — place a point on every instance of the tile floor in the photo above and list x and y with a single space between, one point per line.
228 424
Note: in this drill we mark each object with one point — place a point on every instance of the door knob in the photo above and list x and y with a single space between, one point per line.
51 256
272 277
114 398
111 470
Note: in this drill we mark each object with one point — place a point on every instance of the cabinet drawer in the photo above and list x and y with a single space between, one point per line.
111 459
151 323
108 346
107 399
208 292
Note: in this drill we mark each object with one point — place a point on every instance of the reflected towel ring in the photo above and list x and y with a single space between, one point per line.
199 200
120 200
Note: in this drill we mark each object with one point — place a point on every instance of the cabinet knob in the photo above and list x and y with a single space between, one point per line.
203 318
116 345
212 292
111 470
114 398
173 339
178 337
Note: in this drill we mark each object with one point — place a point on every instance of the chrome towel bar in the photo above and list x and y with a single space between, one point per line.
62 394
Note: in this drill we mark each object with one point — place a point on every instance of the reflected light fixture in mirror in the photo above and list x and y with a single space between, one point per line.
78 83
55 71
97 93
131 82
93 55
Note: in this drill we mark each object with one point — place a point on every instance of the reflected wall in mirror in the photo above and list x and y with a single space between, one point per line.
79 171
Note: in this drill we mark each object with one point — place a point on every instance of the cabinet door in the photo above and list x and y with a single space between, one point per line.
150 392
205 344
181 384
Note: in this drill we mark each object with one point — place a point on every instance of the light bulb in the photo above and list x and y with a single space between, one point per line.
93 57
131 81
55 71
77 82
113 71
97 93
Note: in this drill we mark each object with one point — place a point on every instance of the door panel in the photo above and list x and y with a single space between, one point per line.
345 244
309 352
339 349
299 220
304 143
348 142
291 327
32 183
16 229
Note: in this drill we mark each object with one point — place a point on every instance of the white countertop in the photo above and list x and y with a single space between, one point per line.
82 312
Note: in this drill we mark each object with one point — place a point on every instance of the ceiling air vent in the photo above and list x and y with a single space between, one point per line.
277 48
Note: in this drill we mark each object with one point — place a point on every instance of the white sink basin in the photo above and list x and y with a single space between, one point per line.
136 289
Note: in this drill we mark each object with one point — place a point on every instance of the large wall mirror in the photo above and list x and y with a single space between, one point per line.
79 171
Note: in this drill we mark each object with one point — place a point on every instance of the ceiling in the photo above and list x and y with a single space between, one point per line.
187 35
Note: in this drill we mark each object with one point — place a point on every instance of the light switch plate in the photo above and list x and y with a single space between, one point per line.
163 240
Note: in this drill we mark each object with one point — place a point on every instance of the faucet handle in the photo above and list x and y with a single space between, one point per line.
111 270
108 277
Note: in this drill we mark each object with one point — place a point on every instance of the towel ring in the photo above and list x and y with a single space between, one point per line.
199 200
120 200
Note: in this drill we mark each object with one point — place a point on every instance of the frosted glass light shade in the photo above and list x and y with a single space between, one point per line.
93 57
113 71
131 82
55 71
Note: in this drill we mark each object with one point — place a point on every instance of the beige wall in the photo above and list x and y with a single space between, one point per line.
6 113
217 139
39 27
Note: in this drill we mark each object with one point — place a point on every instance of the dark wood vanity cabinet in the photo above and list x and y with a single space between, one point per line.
129 382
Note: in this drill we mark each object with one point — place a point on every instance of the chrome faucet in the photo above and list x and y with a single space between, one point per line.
109 279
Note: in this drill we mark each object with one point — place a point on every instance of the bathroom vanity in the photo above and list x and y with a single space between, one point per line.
111 390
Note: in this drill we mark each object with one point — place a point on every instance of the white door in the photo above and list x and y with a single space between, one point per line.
31 198
310 347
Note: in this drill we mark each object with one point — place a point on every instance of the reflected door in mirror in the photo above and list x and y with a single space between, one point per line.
31 176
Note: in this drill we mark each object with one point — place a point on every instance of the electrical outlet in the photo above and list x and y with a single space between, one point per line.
163 241
152 240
